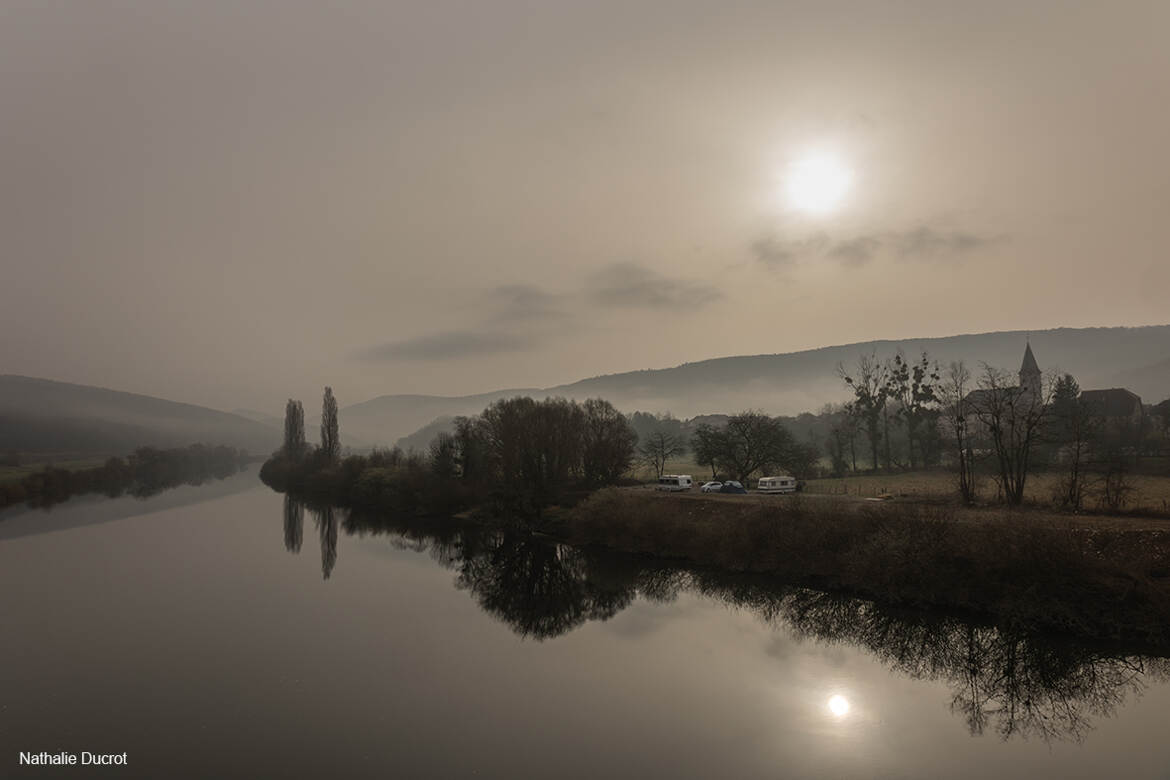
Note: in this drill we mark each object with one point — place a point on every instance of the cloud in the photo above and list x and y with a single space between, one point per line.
524 303
510 309
774 252
928 241
449 345
629 285
855 251
921 242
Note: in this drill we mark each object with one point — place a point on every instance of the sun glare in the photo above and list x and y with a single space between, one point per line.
818 184
839 706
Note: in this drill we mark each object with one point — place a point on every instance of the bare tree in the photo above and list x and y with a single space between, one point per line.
914 386
754 442
958 416
706 441
1076 429
1015 419
870 388
607 442
659 448
330 438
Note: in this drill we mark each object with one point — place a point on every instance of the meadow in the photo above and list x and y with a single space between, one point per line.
1151 486
10 474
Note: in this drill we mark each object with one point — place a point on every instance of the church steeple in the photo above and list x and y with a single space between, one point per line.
1030 374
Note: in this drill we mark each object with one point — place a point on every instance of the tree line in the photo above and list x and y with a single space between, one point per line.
143 473
517 457
985 426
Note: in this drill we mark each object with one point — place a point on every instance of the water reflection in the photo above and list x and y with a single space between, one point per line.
326 523
294 524
1012 683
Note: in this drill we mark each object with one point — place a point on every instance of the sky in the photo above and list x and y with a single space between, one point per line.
232 203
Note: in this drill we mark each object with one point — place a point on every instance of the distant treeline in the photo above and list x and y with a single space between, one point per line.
144 473
515 458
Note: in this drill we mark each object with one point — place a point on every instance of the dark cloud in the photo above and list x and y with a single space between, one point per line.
921 242
777 252
855 251
511 308
524 303
926 241
629 285
450 345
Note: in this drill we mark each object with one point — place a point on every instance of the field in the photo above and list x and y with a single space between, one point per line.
71 463
1150 490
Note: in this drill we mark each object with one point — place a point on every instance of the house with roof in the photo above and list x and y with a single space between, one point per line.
1120 410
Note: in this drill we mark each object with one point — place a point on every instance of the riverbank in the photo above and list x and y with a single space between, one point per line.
143 473
1034 570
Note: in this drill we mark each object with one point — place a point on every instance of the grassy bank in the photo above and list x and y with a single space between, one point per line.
1020 568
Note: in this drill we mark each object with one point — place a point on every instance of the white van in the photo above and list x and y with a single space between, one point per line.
777 485
674 482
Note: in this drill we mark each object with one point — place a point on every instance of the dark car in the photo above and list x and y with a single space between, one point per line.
731 486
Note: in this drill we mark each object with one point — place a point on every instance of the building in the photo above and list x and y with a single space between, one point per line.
1030 389
1120 410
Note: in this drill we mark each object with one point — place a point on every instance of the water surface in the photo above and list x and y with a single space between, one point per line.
225 632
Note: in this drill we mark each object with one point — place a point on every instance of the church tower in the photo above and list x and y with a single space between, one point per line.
1030 375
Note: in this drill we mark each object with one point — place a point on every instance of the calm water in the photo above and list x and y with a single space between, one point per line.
222 632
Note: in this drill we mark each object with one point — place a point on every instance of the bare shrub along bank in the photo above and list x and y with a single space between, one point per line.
1024 570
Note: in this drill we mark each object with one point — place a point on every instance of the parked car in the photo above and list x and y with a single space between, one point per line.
731 486
711 487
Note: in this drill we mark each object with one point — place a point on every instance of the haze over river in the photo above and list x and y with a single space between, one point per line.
222 631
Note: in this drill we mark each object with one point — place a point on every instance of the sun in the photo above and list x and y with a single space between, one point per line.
817 184
839 706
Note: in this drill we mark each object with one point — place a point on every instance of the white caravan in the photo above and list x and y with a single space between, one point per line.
674 482
777 485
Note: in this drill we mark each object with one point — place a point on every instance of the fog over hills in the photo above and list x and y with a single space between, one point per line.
40 415
1137 358
44 415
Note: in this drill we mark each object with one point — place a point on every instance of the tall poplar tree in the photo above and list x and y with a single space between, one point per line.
330 439
294 428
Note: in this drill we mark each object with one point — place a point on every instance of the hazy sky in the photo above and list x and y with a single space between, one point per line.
229 203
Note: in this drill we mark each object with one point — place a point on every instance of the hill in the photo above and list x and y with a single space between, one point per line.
40 415
795 382
1151 382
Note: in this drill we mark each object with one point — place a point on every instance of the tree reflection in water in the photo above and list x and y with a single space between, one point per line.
1015 683
294 524
326 521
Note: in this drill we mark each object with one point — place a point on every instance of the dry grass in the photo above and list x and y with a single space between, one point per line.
1150 491
1025 568
10 474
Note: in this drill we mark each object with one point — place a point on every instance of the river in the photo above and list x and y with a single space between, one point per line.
223 631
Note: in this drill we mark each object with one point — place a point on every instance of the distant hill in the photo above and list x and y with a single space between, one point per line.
264 418
1151 382
386 419
794 382
420 440
40 415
